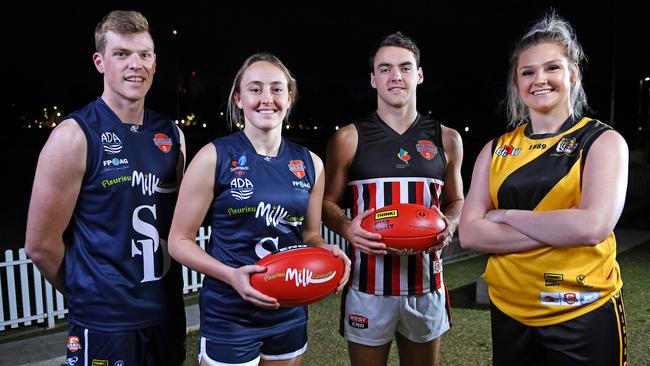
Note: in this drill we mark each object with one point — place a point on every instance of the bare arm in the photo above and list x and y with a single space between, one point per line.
195 197
311 228
340 152
452 190
474 230
604 184
59 173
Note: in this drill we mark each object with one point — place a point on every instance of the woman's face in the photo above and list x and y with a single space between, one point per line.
263 96
544 78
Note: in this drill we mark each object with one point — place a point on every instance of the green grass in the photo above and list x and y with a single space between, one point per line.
469 342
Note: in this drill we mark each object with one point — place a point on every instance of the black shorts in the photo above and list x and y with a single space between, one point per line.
157 345
594 339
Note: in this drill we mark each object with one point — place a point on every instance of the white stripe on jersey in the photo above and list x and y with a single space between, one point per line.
404 181
403 272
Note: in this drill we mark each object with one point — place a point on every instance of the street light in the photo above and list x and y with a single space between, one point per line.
642 136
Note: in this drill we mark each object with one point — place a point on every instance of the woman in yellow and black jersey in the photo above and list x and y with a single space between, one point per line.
543 201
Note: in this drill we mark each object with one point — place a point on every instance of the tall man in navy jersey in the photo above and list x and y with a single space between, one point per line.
101 206
394 155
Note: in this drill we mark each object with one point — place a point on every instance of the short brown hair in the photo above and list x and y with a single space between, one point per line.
121 22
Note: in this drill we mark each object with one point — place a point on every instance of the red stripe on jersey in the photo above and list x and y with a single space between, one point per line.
395 192
372 189
396 274
355 194
370 275
436 199
419 193
419 272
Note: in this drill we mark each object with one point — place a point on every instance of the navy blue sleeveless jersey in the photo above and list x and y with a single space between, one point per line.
259 207
119 275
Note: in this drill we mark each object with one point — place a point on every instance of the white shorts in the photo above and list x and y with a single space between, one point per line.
372 320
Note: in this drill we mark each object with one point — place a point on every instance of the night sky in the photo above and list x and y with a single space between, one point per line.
465 47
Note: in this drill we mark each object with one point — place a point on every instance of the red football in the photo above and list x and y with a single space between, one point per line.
300 276
405 226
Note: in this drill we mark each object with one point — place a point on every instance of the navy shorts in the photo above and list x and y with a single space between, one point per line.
157 345
597 338
283 346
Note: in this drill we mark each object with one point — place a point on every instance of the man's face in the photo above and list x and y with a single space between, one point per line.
128 64
395 76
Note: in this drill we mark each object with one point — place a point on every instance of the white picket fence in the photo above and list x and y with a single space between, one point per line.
49 304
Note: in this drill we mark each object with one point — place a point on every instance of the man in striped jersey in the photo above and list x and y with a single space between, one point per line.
394 155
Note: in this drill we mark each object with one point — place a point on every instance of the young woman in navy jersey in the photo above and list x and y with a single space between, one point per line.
265 193
544 200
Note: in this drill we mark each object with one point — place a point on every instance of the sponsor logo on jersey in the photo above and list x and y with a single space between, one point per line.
404 156
241 210
506 150
297 167
358 321
553 279
580 280
116 164
239 167
135 128
537 146
117 180
73 344
437 266
301 184
97 362
567 145
151 184
112 144
385 214
427 149
241 188
163 142
568 298
119 363
71 361
275 215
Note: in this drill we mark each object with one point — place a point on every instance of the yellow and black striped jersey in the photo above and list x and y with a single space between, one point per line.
543 172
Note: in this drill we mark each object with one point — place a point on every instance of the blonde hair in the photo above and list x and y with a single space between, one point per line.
550 29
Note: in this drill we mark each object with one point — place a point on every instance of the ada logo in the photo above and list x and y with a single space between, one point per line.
112 144
241 188
163 142
297 167
239 167
566 145
507 150
427 149
404 156
73 344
